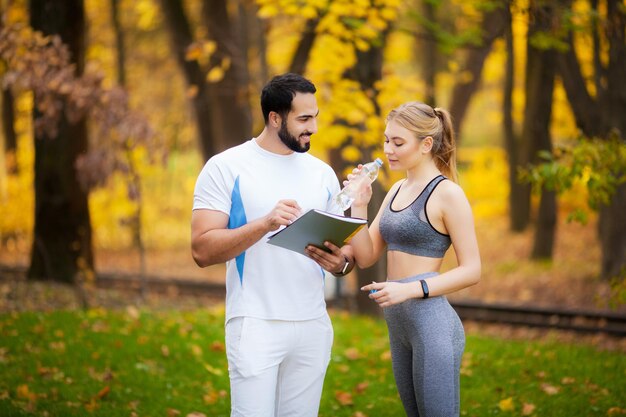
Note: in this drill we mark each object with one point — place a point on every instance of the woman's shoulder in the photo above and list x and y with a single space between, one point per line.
450 191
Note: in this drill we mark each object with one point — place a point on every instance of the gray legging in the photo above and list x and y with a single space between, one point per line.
427 342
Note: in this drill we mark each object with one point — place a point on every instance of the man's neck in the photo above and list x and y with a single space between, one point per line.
270 141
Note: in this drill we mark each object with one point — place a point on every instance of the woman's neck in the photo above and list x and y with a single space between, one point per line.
422 172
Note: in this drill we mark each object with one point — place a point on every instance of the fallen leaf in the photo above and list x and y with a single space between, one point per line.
133 312
196 350
59 346
362 387
566 380
171 412
24 392
506 404
550 389
211 397
385 356
343 368
344 398
196 414
218 346
43 371
359 414
528 409
213 370
352 354
91 405
165 351
103 392
614 411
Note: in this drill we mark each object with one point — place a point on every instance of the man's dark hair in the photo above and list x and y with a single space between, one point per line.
278 94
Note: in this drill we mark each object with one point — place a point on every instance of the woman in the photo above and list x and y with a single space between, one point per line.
420 217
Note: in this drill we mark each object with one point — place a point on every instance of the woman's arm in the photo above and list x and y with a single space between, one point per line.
368 244
459 222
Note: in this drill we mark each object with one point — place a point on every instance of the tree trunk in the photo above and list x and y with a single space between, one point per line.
301 56
367 71
534 125
429 64
494 23
540 73
597 117
181 38
589 117
133 175
258 29
8 132
512 141
119 42
612 224
543 246
230 106
62 247
222 110
611 230
616 73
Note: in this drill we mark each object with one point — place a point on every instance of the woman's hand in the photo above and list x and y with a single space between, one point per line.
389 293
364 190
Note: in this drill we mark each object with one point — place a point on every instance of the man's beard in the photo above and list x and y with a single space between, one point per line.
291 141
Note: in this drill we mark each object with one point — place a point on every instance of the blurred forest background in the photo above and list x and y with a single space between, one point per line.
111 107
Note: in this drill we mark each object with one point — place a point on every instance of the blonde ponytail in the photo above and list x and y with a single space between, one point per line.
445 155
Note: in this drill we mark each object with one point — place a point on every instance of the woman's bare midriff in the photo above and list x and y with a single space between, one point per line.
402 265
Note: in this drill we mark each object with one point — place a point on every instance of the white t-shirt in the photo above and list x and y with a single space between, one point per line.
246 182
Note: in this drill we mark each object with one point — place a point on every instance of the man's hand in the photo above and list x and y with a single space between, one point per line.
283 214
332 262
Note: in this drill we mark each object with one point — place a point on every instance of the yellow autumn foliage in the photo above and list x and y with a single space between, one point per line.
347 113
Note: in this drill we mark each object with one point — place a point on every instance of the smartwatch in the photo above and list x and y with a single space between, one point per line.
424 288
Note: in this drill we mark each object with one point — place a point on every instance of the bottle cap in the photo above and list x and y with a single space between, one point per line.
379 162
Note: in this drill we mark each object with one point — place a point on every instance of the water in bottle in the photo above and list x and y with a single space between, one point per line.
368 173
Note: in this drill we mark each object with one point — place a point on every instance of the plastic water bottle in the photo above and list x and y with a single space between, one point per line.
368 173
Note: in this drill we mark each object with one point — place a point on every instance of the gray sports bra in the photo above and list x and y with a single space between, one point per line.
409 230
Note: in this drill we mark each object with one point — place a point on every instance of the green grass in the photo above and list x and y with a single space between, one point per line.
57 363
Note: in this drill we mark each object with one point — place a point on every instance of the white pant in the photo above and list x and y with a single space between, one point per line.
276 367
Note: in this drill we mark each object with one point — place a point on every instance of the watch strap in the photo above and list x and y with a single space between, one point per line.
344 270
424 288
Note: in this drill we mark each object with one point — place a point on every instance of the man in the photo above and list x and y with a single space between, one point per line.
278 333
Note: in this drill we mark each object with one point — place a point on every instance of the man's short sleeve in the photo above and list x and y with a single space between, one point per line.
213 190
333 188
